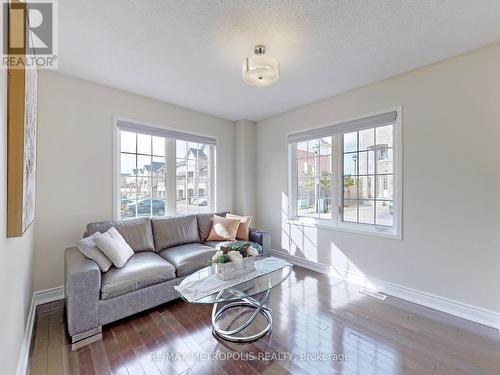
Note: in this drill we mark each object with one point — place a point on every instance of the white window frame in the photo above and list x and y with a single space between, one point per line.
170 176
336 223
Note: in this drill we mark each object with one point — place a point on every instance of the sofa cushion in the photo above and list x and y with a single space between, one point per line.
214 244
174 231
205 224
142 270
189 258
114 246
244 227
136 232
223 229
89 248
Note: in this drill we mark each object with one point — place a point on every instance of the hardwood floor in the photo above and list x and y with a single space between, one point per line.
312 314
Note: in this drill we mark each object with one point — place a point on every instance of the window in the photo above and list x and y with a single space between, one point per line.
314 177
345 176
161 172
193 159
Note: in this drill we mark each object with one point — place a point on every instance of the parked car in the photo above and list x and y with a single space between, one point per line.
201 201
144 208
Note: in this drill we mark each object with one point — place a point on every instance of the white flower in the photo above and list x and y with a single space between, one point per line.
215 258
235 256
252 251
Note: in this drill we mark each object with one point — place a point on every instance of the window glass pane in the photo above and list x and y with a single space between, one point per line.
180 149
385 165
324 165
192 150
181 206
384 213
325 186
366 139
127 141
127 208
159 146
302 149
203 188
350 164
204 208
158 185
143 207
350 210
326 146
305 187
202 170
143 144
365 162
367 212
128 194
384 135
143 165
127 164
302 168
190 187
385 187
314 147
158 166
144 187
181 168
324 208
350 187
191 168
366 189
351 142
313 209
158 207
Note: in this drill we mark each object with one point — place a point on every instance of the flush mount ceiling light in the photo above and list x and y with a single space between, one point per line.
260 69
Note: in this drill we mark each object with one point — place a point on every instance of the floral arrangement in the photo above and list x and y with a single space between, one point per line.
236 251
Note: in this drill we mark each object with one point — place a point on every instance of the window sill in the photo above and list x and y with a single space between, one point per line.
368 230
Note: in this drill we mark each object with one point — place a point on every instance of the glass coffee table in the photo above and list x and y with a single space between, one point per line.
251 295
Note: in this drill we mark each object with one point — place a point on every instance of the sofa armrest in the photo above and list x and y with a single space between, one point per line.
263 238
82 287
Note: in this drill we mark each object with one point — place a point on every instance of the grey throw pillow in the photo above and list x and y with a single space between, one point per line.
89 248
114 246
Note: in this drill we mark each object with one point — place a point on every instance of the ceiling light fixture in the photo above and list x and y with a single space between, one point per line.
260 69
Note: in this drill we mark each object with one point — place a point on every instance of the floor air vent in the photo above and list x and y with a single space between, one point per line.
373 294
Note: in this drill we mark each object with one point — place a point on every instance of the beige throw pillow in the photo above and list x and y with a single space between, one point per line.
223 229
244 227
114 246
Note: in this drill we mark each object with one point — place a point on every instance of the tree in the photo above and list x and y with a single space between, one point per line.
348 181
325 185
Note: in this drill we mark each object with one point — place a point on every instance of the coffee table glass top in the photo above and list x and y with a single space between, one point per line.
246 289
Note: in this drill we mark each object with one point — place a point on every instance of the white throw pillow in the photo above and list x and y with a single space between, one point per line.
89 248
114 246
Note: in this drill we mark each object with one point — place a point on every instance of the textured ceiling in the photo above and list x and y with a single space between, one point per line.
189 53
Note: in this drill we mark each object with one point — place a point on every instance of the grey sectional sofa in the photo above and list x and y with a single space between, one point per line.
166 250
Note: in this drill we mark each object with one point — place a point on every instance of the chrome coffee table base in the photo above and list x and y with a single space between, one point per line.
259 307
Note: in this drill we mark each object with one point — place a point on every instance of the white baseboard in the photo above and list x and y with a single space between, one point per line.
48 295
473 313
38 298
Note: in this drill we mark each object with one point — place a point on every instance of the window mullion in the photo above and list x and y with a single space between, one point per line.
375 176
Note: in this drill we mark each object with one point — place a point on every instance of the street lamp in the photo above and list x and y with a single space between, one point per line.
355 159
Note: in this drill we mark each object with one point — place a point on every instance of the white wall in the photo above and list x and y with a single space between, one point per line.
451 184
244 171
75 160
16 256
